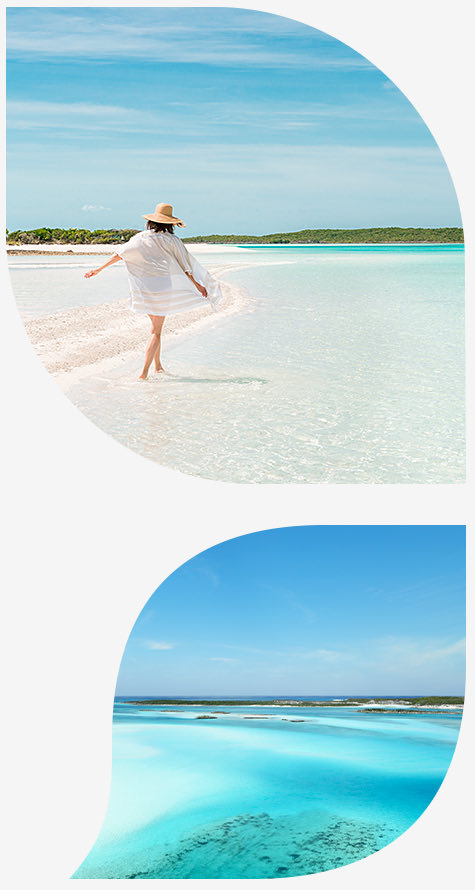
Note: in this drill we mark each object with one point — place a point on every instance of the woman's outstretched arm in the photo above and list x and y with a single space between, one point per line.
202 290
113 259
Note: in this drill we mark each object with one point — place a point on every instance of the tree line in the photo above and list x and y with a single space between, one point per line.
339 236
306 236
70 236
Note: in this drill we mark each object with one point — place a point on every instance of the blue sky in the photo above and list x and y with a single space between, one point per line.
308 610
245 121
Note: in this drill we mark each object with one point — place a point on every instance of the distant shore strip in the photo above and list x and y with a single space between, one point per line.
377 235
390 705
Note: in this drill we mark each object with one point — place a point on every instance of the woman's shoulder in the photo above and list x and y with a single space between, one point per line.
171 238
134 239
146 237
177 239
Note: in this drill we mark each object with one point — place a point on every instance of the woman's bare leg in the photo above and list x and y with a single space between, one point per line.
158 365
153 348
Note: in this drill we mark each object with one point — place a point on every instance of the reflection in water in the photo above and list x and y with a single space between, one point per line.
240 380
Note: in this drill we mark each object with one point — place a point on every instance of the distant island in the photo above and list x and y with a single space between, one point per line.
391 235
341 236
416 702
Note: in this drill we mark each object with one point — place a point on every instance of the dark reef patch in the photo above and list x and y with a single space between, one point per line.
259 846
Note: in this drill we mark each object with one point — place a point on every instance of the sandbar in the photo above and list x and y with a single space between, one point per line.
85 340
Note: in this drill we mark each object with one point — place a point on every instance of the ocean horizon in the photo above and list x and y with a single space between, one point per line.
279 696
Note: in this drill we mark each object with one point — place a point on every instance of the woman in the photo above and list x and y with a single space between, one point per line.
163 277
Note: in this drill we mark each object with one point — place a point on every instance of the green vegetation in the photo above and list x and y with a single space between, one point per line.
307 236
401 711
438 700
340 236
70 236
427 700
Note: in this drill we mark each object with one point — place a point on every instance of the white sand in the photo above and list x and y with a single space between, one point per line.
109 248
89 339
92 339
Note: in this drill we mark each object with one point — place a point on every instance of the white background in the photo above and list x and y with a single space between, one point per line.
91 529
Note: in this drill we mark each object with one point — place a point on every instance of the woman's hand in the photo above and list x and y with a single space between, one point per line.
113 259
202 290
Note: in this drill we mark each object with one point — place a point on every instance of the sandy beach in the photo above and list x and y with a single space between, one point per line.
91 249
89 339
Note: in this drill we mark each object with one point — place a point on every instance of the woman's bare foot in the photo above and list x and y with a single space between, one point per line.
159 368
143 376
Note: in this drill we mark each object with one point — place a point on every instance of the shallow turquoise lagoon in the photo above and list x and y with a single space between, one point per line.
263 792
347 365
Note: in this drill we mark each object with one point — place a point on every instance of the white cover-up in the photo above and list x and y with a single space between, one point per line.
156 265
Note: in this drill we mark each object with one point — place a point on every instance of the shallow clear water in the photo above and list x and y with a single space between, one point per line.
43 284
251 794
347 366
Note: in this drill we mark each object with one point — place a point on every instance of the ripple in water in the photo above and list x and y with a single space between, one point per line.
348 367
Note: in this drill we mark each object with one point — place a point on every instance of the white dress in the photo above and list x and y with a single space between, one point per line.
156 265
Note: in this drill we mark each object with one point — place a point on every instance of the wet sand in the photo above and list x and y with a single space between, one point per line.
91 338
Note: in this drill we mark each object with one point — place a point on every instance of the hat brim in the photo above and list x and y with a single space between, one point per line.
170 220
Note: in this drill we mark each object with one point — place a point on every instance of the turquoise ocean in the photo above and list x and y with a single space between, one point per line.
345 365
263 791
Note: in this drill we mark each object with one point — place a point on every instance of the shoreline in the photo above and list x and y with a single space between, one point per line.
85 340
60 249
372 706
96 249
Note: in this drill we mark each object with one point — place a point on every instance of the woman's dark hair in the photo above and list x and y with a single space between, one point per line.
160 227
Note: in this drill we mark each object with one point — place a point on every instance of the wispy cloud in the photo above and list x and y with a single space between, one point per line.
393 653
415 652
51 109
294 113
161 645
230 122
205 571
94 208
325 655
331 185
291 653
254 40
83 116
292 599
430 588
253 650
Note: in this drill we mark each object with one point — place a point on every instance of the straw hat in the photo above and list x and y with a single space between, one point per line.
164 214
